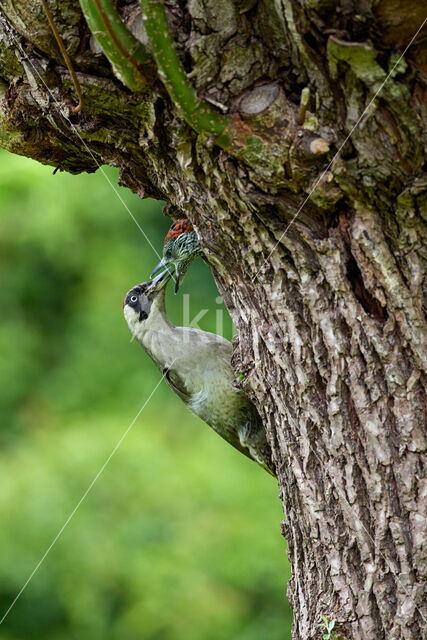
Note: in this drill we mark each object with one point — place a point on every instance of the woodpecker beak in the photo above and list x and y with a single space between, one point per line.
160 280
177 282
162 264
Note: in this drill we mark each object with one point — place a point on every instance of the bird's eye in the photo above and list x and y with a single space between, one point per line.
133 299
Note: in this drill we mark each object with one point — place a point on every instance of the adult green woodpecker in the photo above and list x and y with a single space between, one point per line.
180 248
196 365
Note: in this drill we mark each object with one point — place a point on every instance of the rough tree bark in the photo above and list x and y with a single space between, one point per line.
328 309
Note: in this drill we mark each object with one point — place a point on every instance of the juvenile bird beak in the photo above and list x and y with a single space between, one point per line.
161 265
177 281
160 280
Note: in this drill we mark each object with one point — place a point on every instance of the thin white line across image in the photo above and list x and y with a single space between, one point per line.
40 562
75 131
319 179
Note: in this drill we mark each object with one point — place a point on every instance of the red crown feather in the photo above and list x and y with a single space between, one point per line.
180 226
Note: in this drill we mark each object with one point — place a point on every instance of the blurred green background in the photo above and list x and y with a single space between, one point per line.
179 539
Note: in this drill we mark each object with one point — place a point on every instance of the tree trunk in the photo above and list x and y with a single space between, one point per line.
319 263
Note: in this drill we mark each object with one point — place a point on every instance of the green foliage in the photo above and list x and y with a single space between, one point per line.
126 54
329 626
179 538
199 114
132 64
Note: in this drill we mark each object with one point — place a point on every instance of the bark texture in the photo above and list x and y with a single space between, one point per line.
329 309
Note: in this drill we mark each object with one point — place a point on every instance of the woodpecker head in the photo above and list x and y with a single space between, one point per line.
141 302
180 248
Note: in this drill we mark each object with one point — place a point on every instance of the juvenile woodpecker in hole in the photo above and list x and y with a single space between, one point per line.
180 248
196 365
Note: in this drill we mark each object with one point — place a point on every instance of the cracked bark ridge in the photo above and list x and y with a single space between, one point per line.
330 313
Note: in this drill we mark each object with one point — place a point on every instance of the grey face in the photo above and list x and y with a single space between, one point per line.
138 300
